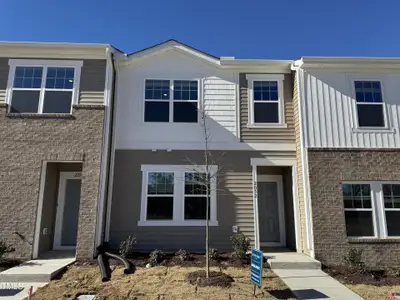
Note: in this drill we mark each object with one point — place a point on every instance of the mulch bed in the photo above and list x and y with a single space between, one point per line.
347 275
215 279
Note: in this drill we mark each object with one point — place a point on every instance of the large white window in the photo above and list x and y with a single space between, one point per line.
175 195
43 87
372 209
171 101
266 103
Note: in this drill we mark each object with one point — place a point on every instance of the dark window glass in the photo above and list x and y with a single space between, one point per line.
57 102
28 77
266 112
265 90
393 223
185 90
368 91
359 223
60 78
195 184
195 208
391 195
156 111
370 115
157 89
25 101
160 208
356 195
185 112
160 183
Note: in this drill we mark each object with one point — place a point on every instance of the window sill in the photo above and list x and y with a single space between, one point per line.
40 116
267 126
177 223
374 240
384 130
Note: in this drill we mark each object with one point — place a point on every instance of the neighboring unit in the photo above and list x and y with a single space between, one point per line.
163 92
349 149
54 116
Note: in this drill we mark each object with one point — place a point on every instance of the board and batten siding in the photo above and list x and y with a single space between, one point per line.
234 199
266 135
91 88
330 116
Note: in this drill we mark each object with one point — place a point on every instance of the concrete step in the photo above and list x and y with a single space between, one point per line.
38 270
292 260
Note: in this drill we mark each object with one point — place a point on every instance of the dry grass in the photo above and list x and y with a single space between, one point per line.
161 283
373 292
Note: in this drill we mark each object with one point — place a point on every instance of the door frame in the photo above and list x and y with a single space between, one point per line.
281 209
64 176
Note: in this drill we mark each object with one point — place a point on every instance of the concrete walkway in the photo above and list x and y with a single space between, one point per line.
15 282
303 275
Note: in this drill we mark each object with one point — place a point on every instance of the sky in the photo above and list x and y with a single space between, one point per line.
250 29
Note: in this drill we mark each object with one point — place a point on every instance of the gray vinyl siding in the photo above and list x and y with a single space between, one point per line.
91 87
234 200
266 135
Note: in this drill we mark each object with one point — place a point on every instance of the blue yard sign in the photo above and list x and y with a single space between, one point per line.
256 266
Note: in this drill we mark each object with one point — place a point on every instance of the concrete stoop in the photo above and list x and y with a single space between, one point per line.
292 260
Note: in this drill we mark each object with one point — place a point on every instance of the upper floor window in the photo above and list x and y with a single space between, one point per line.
265 100
43 86
370 106
171 101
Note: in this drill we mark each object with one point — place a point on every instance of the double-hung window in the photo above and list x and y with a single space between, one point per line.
266 103
370 105
43 87
176 195
372 209
174 101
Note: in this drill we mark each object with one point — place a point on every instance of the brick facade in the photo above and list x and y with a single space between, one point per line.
25 143
328 168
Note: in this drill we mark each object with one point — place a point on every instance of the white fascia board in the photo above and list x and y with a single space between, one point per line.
257 65
350 63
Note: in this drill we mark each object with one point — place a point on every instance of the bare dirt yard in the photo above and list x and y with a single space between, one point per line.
161 283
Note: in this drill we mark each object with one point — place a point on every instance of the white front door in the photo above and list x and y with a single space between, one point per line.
271 211
66 227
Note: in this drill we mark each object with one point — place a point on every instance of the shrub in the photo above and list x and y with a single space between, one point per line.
182 255
156 257
353 258
126 248
4 249
213 254
240 244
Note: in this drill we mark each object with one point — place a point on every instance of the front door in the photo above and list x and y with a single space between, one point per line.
69 196
271 211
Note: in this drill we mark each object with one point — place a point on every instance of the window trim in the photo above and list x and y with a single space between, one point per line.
356 125
378 210
178 195
45 64
279 78
171 100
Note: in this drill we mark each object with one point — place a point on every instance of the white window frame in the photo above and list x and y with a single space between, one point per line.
45 64
178 195
355 104
171 99
378 209
279 78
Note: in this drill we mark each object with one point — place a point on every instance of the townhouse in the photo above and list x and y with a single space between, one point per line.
348 141
54 119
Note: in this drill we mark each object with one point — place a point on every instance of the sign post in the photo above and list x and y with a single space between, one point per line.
256 268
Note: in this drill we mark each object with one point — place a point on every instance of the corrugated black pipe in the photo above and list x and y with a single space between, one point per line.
105 272
128 266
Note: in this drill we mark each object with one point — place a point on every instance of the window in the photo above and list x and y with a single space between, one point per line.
363 204
369 101
265 100
358 209
43 86
171 101
391 196
175 195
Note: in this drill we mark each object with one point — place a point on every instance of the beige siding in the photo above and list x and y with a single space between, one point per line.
270 135
234 199
2 97
300 182
91 98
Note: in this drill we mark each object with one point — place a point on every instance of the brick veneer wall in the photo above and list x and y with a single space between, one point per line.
328 168
24 144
